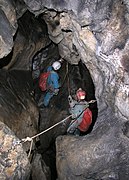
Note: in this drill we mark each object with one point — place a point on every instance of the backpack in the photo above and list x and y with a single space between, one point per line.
43 81
86 120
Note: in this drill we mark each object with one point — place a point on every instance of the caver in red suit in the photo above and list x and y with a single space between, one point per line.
81 114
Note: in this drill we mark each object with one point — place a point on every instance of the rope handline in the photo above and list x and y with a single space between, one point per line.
51 127
31 145
31 138
66 74
68 78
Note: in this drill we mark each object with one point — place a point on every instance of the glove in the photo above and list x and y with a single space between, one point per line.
56 91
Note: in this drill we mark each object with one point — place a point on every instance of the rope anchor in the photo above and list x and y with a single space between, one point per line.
30 139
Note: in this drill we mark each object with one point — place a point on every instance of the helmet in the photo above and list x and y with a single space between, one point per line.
80 94
56 65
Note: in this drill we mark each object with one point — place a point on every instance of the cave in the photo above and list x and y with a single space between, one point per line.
91 38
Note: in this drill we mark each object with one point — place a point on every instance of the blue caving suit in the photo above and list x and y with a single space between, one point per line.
52 84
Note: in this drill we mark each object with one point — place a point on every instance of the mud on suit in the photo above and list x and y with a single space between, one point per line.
82 117
52 86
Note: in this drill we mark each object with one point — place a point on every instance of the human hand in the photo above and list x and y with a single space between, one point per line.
74 116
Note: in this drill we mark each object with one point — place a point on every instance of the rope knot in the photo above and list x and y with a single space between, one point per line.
27 139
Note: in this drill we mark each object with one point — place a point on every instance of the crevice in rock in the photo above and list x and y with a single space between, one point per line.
6 60
126 129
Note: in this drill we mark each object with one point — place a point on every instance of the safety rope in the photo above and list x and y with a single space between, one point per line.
67 68
66 74
30 139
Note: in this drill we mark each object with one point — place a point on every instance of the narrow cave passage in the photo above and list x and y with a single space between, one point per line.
30 54
92 38
72 77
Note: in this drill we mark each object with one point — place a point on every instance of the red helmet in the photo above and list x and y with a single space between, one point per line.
80 94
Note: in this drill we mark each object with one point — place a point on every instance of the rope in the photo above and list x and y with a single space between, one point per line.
31 138
51 127
30 148
64 77
67 68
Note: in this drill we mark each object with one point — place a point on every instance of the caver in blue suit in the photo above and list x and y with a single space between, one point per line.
52 84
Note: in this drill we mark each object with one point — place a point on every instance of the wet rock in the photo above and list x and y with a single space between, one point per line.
14 163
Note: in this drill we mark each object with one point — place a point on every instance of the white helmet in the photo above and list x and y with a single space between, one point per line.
56 65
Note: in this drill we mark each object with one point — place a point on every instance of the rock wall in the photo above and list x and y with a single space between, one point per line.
17 107
103 154
96 33
8 27
14 163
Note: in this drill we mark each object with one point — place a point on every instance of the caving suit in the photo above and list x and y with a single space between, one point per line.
52 85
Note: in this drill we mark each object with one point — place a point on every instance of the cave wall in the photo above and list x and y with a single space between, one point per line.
17 107
97 33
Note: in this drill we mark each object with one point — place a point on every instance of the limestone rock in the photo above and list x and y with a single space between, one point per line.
14 163
54 29
8 27
88 38
101 155
6 39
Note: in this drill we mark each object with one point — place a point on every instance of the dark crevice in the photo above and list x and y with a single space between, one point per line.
6 60
67 31
32 27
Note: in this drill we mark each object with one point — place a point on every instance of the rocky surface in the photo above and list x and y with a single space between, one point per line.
103 154
39 169
97 33
8 27
14 163
30 39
